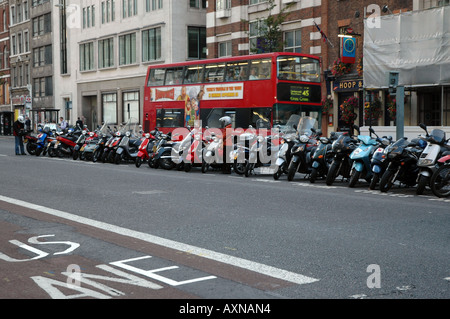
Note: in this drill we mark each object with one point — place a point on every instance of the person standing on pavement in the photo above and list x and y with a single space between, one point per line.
18 132
27 124
62 124
79 123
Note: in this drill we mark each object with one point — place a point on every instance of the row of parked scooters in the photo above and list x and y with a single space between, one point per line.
297 147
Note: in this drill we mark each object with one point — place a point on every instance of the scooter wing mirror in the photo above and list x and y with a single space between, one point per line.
423 127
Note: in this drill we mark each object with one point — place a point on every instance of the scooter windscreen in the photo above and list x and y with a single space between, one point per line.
305 124
130 126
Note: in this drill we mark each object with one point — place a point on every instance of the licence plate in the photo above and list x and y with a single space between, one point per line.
82 149
25 140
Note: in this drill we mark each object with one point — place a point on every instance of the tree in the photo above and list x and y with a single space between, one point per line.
268 31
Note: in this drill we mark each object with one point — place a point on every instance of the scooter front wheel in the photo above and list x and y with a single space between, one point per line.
374 181
292 169
118 159
278 172
138 162
422 184
332 173
313 176
354 177
387 180
249 169
205 167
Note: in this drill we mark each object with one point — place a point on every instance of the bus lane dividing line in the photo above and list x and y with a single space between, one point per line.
205 253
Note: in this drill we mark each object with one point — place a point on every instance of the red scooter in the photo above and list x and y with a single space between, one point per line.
143 154
65 144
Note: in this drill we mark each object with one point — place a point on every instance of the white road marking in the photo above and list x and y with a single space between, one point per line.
209 254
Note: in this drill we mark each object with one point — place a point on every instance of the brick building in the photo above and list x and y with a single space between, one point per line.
346 18
6 115
4 57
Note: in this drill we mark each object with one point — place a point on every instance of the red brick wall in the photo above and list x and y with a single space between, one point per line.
342 13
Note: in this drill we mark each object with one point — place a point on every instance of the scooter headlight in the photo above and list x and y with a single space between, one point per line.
304 139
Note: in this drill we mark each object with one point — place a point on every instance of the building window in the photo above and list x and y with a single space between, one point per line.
198 4
43 86
26 40
225 49
151 44
152 5
108 11
127 49
13 15
257 1
223 4
106 53
25 10
129 8
42 24
19 43
13 45
19 13
293 41
196 42
87 56
435 3
109 103
88 17
256 29
130 105
42 56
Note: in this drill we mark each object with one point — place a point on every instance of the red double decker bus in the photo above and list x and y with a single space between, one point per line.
266 87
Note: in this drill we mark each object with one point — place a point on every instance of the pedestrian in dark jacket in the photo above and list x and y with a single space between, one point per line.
18 132
79 123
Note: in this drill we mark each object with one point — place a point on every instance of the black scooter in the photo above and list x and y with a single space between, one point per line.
301 154
341 164
403 158
128 148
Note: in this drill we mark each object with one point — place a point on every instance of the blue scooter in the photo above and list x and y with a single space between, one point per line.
379 162
42 140
361 157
